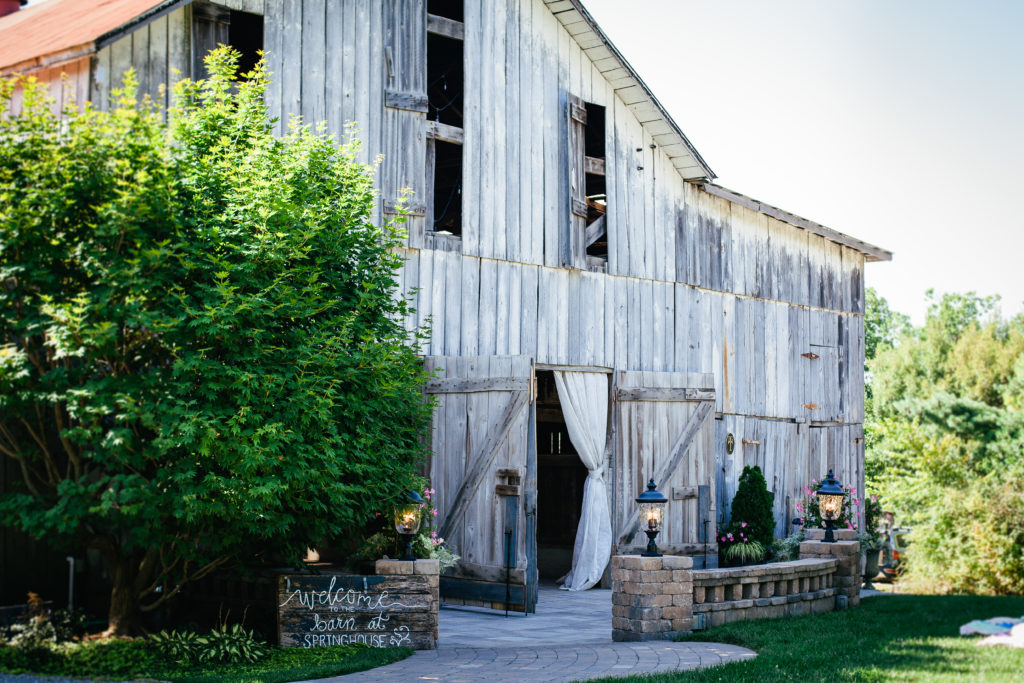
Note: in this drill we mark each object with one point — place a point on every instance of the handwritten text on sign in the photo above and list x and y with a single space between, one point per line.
380 611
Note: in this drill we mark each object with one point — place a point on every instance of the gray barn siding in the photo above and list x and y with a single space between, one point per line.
694 283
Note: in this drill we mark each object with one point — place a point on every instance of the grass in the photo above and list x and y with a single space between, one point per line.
125 659
886 638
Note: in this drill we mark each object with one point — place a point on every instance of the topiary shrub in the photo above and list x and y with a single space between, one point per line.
753 505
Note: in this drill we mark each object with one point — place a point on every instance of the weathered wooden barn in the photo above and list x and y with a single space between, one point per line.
569 252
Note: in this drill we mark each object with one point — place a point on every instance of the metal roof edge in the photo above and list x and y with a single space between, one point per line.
870 251
578 6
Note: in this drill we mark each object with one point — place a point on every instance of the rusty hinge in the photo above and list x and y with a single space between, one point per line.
751 442
810 355
811 406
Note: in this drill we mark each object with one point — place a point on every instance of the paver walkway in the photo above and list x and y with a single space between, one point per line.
568 639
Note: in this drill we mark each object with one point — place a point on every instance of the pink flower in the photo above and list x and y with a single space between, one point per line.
730 537
434 512
433 534
848 525
799 507
743 523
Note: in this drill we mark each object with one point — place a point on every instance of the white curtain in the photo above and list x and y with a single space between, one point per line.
584 399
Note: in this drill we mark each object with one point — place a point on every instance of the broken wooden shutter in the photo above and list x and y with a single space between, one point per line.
481 442
665 429
405 111
573 246
210 26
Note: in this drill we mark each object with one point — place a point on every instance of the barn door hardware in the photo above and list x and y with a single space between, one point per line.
750 442
811 406
810 355
509 490
508 482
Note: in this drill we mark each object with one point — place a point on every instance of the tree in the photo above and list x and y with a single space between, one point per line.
203 357
753 504
882 325
945 443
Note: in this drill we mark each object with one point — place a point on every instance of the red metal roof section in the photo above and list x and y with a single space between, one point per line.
53 27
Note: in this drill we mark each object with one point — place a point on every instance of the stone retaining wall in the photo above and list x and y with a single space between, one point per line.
764 591
656 598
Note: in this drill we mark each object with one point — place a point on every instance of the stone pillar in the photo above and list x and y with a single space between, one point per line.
846 550
429 570
652 597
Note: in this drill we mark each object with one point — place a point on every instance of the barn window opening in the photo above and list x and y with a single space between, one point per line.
597 199
587 243
214 25
245 34
445 85
447 190
560 479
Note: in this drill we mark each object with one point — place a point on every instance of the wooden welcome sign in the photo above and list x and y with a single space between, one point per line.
338 609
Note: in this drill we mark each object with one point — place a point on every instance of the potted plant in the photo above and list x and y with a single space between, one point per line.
871 541
740 548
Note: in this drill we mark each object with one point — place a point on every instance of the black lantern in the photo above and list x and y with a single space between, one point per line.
830 502
652 512
407 520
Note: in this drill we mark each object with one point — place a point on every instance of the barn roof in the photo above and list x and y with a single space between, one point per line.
55 31
870 251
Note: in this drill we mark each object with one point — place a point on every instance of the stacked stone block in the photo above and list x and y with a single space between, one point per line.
652 597
426 571
846 550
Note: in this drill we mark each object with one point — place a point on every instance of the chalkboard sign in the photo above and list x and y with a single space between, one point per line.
337 609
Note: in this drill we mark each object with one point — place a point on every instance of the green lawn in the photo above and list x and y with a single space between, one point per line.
900 637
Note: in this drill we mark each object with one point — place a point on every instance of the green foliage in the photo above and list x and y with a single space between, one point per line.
882 325
945 442
119 659
753 505
201 348
223 645
789 547
745 552
972 541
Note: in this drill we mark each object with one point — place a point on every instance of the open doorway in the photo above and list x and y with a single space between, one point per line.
560 478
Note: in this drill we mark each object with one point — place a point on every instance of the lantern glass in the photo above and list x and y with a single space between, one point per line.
831 505
407 519
653 514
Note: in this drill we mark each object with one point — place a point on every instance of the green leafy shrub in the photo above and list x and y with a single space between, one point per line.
203 355
223 645
973 542
753 505
745 552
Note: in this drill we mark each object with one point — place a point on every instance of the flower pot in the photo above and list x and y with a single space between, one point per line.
870 567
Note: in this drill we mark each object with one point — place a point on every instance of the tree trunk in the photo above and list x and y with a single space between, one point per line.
124 617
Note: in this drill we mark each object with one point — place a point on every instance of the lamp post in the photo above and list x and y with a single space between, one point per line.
652 511
407 520
830 502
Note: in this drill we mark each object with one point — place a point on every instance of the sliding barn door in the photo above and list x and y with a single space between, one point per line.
664 428
483 444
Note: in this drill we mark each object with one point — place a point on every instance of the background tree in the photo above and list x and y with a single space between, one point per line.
202 351
945 444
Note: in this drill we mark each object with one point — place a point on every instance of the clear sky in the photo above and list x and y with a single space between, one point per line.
900 122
